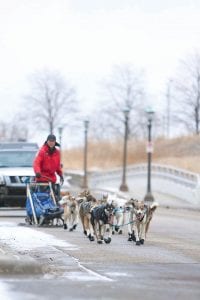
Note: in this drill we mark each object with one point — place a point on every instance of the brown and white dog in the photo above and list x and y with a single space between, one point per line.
70 215
141 217
85 207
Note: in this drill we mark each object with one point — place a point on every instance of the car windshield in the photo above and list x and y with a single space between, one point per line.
17 158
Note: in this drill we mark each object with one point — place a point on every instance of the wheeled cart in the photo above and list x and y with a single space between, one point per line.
41 206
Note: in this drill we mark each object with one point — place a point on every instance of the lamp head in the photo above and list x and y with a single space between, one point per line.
60 129
150 113
126 111
86 124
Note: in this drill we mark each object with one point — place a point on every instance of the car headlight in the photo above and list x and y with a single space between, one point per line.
2 180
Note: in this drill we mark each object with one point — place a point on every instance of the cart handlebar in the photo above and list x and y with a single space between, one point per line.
26 180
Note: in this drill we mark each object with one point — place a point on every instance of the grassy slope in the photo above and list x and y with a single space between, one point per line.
183 152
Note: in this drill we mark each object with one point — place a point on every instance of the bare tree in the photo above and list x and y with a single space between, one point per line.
186 89
51 101
124 90
15 130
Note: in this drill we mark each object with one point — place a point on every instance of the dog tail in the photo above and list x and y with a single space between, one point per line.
152 209
153 206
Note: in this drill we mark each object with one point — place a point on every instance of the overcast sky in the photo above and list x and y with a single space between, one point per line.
85 38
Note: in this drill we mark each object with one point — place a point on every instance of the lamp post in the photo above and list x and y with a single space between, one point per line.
169 106
85 181
123 187
60 129
149 197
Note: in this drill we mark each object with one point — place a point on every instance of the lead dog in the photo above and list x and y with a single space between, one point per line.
101 216
141 217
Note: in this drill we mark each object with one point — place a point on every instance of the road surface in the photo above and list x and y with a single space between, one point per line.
167 266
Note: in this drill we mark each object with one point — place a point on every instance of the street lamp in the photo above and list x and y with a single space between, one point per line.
123 187
150 113
85 181
169 106
60 129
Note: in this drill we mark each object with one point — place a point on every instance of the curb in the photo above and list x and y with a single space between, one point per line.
17 265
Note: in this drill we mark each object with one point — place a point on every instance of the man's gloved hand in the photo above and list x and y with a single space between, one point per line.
61 180
38 175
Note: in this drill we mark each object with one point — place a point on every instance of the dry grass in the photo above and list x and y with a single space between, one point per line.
181 152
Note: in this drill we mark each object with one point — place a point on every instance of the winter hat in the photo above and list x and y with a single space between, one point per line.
51 137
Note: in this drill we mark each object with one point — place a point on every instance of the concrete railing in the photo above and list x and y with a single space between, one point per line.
179 176
165 179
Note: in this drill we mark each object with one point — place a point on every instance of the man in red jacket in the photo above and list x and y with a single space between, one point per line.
47 162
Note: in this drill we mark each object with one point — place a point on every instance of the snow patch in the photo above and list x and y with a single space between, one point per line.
21 238
4 292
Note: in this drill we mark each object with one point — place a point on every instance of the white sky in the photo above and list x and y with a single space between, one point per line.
85 38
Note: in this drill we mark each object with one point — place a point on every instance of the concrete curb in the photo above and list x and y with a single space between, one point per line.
19 265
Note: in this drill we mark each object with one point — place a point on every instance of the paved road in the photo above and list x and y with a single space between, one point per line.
166 267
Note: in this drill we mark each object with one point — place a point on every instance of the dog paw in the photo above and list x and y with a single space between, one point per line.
107 241
116 228
133 237
65 226
137 243
130 237
142 241
74 227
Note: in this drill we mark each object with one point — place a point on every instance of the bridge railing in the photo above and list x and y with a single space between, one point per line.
165 179
166 172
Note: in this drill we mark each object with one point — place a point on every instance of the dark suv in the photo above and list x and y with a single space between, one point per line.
16 161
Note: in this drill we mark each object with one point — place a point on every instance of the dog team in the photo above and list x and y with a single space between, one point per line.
102 218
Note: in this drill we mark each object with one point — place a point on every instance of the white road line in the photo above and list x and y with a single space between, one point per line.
2 251
101 277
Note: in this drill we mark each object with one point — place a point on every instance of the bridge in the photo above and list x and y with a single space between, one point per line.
166 180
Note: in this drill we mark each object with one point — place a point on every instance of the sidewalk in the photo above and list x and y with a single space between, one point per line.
14 251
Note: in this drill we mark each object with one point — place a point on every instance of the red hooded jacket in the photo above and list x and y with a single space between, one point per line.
47 164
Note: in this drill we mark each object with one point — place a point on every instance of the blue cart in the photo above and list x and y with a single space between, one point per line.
41 206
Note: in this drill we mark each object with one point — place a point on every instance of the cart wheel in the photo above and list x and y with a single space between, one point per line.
28 220
41 220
